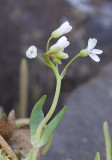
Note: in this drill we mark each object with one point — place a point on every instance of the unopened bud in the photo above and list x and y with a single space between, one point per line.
61 44
61 55
63 29
56 60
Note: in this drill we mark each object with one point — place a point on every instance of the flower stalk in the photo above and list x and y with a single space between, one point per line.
51 111
47 46
64 70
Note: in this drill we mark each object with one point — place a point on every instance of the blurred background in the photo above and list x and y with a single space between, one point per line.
87 86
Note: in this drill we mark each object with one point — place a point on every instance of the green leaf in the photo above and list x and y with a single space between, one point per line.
107 140
97 157
51 127
36 117
47 146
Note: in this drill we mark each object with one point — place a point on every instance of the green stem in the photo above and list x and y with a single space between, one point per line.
47 47
34 153
64 70
43 61
51 111
54 103
51 65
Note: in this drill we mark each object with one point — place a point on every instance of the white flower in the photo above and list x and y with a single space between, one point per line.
31 52
93 52
63 29
61 44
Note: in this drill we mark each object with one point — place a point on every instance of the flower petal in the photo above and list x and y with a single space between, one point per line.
63 42
64 28
91 43
96 51
31 52
94 57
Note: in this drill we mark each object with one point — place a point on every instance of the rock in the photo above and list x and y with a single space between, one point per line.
80 134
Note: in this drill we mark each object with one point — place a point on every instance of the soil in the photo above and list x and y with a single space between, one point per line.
20 141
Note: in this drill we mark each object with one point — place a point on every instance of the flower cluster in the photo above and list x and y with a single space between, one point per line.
56 51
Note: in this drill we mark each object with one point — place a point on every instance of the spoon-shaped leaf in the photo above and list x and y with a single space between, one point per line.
36 117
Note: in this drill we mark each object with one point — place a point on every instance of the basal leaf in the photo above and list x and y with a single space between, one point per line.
36 116
51 127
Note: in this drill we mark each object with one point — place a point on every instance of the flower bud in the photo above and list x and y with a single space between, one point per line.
56 60
62 43
63 29
61 55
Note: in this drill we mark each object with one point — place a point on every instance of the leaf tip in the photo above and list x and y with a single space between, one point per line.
105 124
97 157
65 108
98 153
44 97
